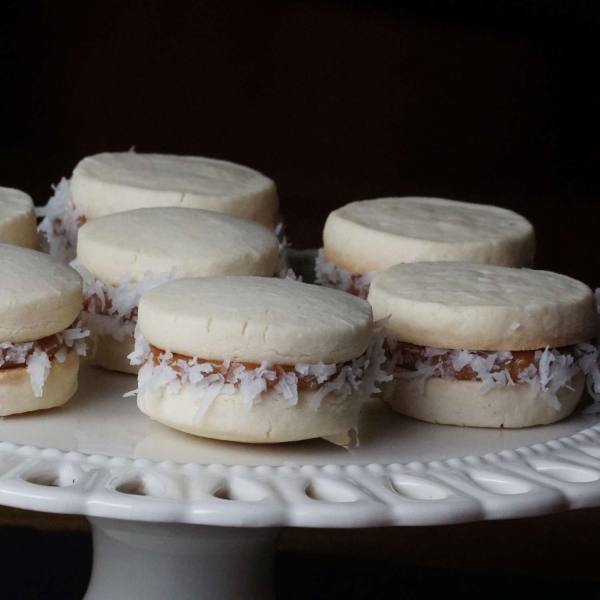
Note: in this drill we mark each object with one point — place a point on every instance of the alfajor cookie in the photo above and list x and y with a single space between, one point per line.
253 359
363 238
108 183
486 346
40 301
122 255
17 219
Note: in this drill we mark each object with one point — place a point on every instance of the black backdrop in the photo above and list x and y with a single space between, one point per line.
336 101
484 101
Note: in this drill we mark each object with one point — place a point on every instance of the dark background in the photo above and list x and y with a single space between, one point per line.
336 101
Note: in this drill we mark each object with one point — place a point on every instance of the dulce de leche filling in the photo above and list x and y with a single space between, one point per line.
103 306
305 381
357 288
514 362
50 345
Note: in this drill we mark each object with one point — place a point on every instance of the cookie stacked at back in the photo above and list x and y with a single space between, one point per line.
40 301
114 182
17 219
125 254
253 359
486 346
366 237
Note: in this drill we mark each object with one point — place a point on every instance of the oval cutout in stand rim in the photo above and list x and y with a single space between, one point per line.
51 476
242 490
138 485
499 484
568 473
414 488
325 490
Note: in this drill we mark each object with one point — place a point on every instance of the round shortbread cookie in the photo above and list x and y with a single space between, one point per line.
479 307
254 319
39 296
17 219
453 402
16 393
113 182
270 421
373 235
197 243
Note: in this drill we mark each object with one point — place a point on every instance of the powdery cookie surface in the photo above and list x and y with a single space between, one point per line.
373 235
17 395
197 243
17 219
39 295
114 182
272 420
462 403
254 319
480 307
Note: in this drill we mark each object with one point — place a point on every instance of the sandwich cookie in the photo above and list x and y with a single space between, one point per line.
17 219
40 300
125 254
114 182
486 346
256 360
366 237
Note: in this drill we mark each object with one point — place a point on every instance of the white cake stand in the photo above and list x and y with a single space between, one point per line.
175 516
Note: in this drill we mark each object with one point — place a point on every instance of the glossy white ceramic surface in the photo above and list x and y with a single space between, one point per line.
99 456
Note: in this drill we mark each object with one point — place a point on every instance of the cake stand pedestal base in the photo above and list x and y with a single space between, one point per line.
158 561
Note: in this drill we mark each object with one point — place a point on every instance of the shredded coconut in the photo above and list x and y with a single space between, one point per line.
329 275
362 374
37 361
289 274
61 221
589 362
555 370
284 271
112 310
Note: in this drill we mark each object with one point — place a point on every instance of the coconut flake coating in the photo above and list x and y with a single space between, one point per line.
39 296
328 275
114 182
198 243
17 219
546 371
373 235
465 305
256 319
60 222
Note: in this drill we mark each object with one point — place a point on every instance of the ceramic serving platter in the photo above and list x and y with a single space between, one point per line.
100 456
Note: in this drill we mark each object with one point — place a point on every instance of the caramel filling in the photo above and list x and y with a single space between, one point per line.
50 345
409 355
305 382
95 304
362 291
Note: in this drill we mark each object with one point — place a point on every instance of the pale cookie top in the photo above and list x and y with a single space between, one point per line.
373 235
39 296
254 319
197 243
478 307
114 182
17 219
